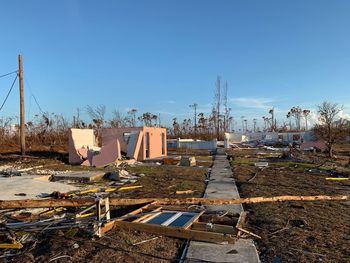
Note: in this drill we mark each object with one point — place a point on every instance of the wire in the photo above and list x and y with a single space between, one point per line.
36 102
8 94
32 95
8 74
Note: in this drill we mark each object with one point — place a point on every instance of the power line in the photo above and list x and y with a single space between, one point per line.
36 102
8 93
1 76
32 95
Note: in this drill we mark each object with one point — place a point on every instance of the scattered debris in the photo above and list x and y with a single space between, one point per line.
188 161
337 178
184 192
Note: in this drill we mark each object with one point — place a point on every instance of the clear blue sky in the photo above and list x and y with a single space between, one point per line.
161 56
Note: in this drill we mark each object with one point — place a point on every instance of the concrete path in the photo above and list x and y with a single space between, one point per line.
222 185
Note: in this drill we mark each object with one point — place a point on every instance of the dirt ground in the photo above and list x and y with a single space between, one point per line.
294 231
117 245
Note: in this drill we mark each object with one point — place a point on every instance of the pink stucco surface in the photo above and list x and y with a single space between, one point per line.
110 153
77 139
155 140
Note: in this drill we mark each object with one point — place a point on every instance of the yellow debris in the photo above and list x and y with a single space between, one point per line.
11 246
336 178
85 215
130 187
58 209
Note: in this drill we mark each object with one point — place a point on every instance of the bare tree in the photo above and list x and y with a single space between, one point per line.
194 106
176 127
272 112
332 129
147 119
218 104
132 114
117 120
97 114
289 117
306 115
296 113
254 124
98 118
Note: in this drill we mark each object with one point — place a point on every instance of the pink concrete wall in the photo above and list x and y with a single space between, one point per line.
109 134
155 135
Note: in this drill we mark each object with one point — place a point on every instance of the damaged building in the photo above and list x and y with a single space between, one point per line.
138 143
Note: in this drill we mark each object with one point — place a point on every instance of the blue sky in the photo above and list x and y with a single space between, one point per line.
161 56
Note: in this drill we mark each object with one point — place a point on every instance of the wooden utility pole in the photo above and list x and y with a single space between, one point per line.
21 97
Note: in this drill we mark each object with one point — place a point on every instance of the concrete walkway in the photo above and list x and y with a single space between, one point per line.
222 185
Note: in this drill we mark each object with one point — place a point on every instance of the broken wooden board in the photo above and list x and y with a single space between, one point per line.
177 232
75 202
241 222
217 228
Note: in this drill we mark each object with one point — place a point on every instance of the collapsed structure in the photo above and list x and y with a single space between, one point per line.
138 143
192 144
306 139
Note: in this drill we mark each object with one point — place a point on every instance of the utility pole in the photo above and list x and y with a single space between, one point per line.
21 97
242 117
194 106
254 121
226 115
218 101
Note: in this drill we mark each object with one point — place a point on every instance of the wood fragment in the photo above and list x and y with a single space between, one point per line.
217 228
337 178
184 192
76 202
11 246
241 222
248 232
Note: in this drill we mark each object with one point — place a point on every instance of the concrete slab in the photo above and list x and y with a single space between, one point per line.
80 176
222 185
242 251
9 186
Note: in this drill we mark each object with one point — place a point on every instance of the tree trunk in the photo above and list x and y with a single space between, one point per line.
330 152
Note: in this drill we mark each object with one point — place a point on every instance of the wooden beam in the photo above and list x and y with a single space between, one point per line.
217 228
109 225
177 232
249 233
75 202
241 222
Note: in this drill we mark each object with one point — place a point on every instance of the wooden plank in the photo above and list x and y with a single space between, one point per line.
224 229
147 215
75 202
177 232
241 222
249 233
109 225
195 219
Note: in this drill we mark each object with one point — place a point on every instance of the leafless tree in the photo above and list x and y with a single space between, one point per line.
97 114
331 128
132 114
296 113
306 115
117 120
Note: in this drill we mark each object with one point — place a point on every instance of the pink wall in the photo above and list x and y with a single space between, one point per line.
155 140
